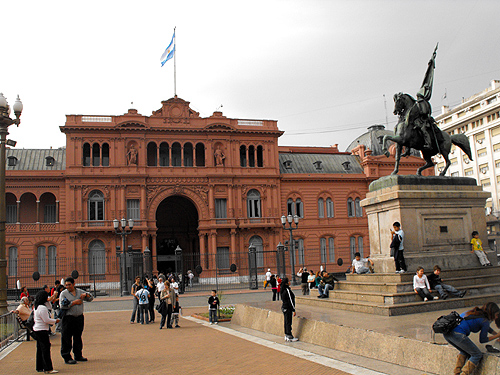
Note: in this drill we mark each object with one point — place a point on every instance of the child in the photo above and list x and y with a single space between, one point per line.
437 284
360 265
421 285
213 306
176 312
477 248
398 235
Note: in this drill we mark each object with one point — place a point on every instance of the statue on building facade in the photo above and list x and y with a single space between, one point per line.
417 129
132 155
219 157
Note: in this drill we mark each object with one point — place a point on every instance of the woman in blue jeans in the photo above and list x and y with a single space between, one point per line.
475 320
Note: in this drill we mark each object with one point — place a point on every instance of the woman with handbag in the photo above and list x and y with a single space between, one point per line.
165 309
41 330
288 308
475 320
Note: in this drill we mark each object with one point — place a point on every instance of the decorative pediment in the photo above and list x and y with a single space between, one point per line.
130 124
175 109
219 126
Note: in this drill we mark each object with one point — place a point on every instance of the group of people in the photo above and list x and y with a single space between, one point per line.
62 306
424 285
145 292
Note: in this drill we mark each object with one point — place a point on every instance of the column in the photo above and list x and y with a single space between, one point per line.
212 249
211 202
38 212
203 251
18 213
143 206
57 211
230 203
232 250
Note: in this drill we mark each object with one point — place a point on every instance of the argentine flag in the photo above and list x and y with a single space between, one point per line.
169 52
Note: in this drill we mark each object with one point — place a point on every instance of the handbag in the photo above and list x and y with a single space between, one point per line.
392 252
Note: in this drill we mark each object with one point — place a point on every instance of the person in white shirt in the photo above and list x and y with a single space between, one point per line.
268 278
361 266
174 285
42 328
421 285
143 299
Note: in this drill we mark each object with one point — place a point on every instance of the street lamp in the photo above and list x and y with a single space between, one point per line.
124 233
291 219
5 122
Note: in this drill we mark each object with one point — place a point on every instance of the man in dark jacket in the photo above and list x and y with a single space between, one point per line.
288 308
326 284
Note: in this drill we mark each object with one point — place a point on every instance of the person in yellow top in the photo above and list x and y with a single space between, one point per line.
477 248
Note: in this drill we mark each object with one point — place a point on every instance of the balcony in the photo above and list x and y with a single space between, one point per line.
32 227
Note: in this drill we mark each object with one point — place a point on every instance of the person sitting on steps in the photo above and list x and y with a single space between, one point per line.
436 283
327 283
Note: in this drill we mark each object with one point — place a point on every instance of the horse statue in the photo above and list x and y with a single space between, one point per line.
409 132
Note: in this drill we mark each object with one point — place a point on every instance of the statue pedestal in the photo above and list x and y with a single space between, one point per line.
437 215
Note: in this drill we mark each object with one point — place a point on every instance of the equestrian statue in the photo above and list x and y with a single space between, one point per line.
417 129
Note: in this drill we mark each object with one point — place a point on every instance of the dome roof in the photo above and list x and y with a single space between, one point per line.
372 139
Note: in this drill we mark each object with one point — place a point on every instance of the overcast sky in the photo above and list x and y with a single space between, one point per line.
320 68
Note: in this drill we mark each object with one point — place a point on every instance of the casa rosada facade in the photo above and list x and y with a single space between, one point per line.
209 185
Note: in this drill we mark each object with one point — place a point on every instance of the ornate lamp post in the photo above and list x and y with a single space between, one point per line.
290 219
5 122
124 233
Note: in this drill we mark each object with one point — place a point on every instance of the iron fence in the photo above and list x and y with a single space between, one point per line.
103 276
9 329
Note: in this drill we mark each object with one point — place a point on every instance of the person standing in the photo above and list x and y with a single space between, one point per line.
73 322
143 297
133 291
166 296
288 308
213 306
304 275
274 287
268 278
152 291
190 277
398 237
42 328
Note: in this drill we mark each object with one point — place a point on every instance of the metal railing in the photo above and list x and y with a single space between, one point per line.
10 331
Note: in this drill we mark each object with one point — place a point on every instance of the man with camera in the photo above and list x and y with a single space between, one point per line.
71 300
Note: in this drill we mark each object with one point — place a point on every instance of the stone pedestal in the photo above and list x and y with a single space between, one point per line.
437 214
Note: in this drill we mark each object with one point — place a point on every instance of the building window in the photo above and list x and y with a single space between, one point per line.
50 213
176 155
454 174
321 208
96 155
289 207
12 161
329 208
42 258
188 155
360 246
359 210
300 250
164 154
11 213
96 205
200 155
52 260
470 171
134 209
299 208
331 249
220 208
105 155
351 211
152 154
86 155
481 152
12 261
260 156
97 258
253 204
243 156
259 249
251 156
223 261
322 249
352 247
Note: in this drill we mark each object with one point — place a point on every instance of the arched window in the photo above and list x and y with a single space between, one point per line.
251 156
105 155
96 155
351 212
352 247
97 258
321 208
259 249
52 259
300 250
200 155
152 152
329 208
331 249
243 156
42 259
96 206
11 208
176 155
357 205
86 155
289 207
12 261
299 208
253 204
322 248
360 246
49 207
260 156
164 157
188 154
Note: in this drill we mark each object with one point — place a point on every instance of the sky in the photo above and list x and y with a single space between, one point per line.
325 70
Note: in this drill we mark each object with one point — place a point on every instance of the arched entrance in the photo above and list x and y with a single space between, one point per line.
177 223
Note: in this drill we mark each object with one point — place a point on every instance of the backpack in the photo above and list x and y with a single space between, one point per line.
446 323
396 242
30 322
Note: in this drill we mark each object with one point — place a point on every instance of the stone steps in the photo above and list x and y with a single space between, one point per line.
392 294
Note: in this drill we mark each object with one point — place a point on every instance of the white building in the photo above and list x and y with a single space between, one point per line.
478 117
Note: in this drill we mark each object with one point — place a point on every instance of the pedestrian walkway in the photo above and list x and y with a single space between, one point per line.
114 346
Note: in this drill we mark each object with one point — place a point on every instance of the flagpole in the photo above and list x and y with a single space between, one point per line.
175 73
